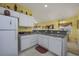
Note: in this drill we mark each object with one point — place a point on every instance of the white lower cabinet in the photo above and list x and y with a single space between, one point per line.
28 41
26 21
33 39
43 41
40 40
55 45
25 43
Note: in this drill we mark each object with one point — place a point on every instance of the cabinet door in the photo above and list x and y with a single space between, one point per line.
51 44
28 41
14 14
25 43
31 22
33 40
24 20
55 45
8 22
40 40
43 41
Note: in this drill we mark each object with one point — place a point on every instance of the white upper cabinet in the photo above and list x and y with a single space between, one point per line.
27 21
14 14
23 20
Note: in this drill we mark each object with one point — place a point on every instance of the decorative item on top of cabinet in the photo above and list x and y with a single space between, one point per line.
26 13
21 11
65 24
15 7
6 12
50 27
8 7
30 14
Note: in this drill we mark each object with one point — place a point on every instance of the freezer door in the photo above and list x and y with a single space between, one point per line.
8 43
7 22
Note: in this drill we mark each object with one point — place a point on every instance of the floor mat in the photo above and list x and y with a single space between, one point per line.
41 49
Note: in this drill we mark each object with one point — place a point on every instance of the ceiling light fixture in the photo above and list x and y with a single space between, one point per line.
45 5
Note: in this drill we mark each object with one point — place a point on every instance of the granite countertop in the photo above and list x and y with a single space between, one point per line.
54 33
60 34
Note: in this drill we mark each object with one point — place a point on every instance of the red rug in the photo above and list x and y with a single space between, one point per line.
41 49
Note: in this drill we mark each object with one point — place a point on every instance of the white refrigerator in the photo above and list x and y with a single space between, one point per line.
8 36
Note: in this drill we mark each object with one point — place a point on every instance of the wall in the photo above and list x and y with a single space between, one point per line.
46 23
25 29
73 34
78 28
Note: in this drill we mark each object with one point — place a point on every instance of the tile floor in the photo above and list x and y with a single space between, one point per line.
33 52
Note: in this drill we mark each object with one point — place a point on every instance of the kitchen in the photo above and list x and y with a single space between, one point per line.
26 31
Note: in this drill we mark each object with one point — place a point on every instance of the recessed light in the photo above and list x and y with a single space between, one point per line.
45 5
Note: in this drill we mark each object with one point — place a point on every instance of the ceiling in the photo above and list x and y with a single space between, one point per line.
53 11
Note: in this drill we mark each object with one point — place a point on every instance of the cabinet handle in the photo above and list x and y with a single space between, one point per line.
10 22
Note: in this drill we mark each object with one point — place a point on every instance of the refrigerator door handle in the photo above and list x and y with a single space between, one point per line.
10 22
